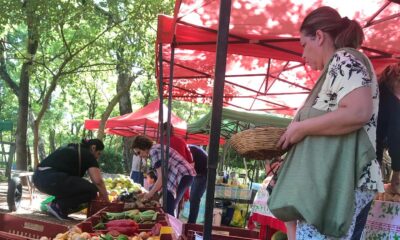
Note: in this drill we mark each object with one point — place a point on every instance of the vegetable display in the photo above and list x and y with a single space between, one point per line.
115 232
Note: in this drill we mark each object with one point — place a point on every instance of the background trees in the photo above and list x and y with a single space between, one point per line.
65 61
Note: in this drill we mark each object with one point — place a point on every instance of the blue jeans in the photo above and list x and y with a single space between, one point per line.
137 177
172 202
196 192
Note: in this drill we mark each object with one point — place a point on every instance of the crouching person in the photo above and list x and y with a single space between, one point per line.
60 174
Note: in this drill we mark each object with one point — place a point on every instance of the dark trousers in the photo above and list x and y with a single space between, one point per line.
172 202
137 177
196 192
361 220
69 191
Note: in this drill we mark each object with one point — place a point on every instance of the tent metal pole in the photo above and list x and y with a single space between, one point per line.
160 129
371 19
218 92
168 140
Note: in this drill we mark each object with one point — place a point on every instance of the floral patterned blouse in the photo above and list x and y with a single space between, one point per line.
345 74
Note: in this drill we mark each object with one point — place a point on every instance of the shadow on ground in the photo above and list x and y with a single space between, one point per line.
31 208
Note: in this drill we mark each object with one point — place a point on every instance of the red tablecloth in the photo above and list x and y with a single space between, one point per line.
269 225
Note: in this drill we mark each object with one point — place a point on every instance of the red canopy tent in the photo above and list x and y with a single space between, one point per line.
145 122
264 69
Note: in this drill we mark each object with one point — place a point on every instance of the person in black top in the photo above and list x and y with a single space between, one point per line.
60 174
199 184
388 129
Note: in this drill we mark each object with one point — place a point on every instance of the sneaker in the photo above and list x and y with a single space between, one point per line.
55 210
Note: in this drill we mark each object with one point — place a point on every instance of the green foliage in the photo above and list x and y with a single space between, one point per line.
111 161
84 45
188 111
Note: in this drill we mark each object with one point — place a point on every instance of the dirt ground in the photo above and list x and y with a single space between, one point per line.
31 209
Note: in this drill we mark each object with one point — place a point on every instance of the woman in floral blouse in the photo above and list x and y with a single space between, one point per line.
343 105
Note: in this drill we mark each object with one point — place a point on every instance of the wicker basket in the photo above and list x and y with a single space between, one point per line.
258 143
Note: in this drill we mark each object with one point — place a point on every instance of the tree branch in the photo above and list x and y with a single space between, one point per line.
3 70
63 38
111 105
76 70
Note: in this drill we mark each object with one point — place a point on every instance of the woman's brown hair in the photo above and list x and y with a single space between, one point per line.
343 31
142 142
390 76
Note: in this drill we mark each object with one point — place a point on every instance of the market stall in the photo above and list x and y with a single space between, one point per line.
145 121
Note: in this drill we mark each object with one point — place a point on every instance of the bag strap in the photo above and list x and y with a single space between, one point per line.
318 85
79 160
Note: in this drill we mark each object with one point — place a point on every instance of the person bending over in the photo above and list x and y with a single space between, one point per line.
199 184
180 172
61 174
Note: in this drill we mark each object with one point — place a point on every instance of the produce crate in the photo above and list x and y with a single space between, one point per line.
89 223
218 233
18 228
97 205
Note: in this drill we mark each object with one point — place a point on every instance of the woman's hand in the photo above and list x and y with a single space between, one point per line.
106 199
147 196
293 134
102 197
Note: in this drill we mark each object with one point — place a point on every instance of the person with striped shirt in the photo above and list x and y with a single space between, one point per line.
180 172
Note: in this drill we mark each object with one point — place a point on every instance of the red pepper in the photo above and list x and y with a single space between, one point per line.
127 230
121 223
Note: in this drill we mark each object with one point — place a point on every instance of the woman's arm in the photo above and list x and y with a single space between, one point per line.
157 185
95 176
353 112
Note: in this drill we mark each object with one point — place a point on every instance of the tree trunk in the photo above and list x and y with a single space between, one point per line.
41 147
52 140
22 120
91 108
125 106
110 107
23 95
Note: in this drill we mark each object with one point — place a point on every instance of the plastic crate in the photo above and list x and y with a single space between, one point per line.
97 205
17 228
219 233
89 223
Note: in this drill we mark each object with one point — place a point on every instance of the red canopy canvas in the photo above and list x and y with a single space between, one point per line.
145 122
264 70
